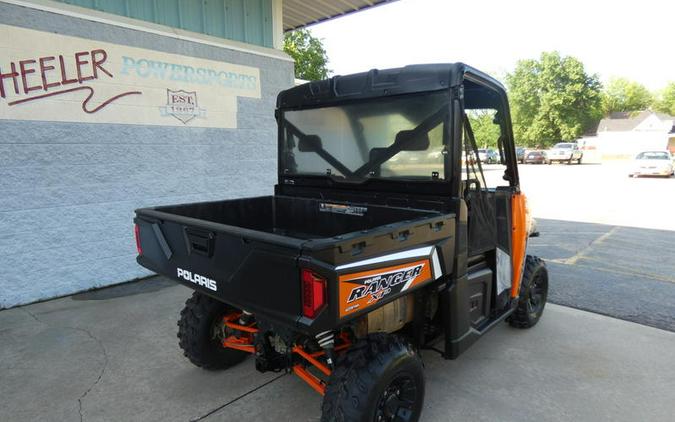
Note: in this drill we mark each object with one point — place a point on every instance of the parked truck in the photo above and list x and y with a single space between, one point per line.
564 152
378 242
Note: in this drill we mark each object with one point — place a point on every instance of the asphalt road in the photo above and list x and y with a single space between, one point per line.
624 272
608 240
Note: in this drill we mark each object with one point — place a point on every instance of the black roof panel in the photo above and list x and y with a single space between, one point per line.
385 82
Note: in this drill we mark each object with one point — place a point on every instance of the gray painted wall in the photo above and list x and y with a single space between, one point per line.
68 190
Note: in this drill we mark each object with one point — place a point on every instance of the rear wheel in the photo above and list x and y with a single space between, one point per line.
380 378
533 294
201 332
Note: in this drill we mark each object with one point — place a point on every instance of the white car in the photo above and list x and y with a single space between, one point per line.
564 152
652 163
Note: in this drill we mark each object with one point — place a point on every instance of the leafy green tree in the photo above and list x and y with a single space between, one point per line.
621 94
666 101
552 99
485 130
308 53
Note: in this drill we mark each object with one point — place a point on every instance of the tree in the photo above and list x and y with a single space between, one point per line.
666 101
308 53
552 99
624 95
485 130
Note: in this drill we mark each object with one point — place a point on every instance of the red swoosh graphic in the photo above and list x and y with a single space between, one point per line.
84 103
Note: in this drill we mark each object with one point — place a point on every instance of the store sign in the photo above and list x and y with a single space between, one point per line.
45 76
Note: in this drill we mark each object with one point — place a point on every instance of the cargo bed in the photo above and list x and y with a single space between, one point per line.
298 218
247 252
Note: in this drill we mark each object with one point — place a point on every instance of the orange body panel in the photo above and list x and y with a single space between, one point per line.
364 289
518 239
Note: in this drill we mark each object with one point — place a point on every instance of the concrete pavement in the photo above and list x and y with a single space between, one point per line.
112 355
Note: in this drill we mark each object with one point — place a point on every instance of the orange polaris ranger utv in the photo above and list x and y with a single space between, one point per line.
379 241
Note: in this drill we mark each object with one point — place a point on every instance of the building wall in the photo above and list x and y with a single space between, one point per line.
68 189
625 145
249 21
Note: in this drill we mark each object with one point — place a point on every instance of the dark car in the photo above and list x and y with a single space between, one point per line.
520 154
535 157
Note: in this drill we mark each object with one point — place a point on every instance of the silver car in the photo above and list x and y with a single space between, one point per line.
488 156
652 163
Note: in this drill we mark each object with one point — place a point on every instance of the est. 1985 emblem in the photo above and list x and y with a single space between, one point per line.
182 105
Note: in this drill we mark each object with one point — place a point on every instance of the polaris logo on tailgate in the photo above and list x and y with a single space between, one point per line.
197 279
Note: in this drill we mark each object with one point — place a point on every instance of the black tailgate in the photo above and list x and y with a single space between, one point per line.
248 269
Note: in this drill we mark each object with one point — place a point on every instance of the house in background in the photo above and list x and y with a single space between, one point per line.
622 135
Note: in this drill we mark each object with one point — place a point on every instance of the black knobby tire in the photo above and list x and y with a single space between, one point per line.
198 333
380 376
533 294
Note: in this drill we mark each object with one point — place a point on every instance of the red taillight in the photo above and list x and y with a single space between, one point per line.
137 235
313 293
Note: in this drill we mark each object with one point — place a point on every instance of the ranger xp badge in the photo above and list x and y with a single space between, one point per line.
363 289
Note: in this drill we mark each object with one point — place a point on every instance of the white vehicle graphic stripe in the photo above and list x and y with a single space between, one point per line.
412 253
436 264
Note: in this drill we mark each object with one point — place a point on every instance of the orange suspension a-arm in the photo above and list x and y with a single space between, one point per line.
245 340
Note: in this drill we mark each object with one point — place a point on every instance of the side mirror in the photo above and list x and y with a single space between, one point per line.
310 143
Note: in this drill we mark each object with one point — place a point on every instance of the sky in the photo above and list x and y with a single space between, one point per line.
635 40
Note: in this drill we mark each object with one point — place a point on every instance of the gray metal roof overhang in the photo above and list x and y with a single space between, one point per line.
301 13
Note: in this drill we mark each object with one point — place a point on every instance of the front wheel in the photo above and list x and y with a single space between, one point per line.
533 294
380 378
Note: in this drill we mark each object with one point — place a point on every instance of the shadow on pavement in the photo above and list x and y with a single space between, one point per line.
135 287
